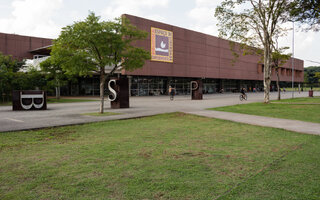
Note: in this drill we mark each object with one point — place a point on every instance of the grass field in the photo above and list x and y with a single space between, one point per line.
304 109
302 100
170 156
5 103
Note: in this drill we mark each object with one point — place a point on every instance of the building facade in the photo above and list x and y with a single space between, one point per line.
178 56
198 56
23 47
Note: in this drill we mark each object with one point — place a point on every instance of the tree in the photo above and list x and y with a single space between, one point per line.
54 74
255 24
307 12
317 75
13 76
9 69
92 45
279 59
309 73
32 79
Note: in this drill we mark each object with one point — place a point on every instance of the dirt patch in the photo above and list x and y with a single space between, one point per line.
114 189
12 146
145 154
298 106
191 154
159 195
179 114
296 147
60 133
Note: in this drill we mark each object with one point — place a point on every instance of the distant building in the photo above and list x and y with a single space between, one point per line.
178 56
24 47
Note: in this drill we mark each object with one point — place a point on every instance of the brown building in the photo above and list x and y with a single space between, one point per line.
200 56
23 47
178 57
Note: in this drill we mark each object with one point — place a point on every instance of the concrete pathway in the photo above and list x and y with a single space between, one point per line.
72 113
291 125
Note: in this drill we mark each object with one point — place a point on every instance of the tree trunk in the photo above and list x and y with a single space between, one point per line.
267 73
278 80
2 93
57 95
58 90
102 82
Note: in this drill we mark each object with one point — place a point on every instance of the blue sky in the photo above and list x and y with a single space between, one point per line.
45 18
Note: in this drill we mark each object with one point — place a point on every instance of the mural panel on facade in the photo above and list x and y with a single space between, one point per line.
161 45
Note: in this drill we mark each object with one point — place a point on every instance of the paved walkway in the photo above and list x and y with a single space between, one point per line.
72 113
291 125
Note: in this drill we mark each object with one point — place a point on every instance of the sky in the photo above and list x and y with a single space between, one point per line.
45 18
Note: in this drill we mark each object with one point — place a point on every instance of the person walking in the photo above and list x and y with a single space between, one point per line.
171 92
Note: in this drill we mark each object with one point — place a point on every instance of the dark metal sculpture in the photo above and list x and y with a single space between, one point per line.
196 90
119 92
29 100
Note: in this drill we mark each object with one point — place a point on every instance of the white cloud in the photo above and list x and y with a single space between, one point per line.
135 7
32 17
306 43
202 16
306 47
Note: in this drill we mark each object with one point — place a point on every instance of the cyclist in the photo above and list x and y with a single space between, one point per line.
243 92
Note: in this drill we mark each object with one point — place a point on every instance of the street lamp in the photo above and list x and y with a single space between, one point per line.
292 59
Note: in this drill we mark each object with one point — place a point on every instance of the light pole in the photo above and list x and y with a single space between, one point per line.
292 60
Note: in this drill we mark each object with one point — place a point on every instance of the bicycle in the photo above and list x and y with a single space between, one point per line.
171 97
243 97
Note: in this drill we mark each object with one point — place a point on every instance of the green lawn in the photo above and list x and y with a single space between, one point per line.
297 109
286 178
299 100
5 103
170 156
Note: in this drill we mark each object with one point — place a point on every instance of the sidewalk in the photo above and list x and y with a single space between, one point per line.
61 114
287 124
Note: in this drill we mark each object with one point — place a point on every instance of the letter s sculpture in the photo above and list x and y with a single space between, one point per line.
113 95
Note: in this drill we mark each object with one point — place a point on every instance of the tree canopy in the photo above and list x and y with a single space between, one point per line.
55 75
94 46
255 24
310 74
307 12
13 77
8 63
